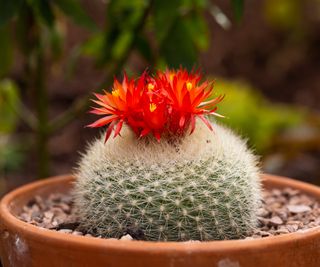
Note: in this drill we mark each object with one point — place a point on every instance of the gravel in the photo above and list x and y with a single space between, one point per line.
283 211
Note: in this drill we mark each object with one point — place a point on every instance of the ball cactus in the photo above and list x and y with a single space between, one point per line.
199 186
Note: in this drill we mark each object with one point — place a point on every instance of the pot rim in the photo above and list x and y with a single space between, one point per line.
37 233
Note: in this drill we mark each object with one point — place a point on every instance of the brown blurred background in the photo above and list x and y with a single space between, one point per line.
264 55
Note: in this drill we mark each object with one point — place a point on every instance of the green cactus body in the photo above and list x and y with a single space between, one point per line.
203 187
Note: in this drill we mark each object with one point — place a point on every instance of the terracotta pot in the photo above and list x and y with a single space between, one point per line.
23 244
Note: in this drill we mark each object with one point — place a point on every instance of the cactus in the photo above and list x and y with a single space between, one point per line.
174 182
204 187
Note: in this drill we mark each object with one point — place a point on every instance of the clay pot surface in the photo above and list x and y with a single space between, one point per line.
23 244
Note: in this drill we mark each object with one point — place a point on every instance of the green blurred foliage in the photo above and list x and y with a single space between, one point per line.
6 51
2 188
173 34
9 9
36 23
176 24
10 154
237 6
252 116
284 14
9 106
74 10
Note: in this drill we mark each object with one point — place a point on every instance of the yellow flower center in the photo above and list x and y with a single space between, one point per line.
115 92
189 86
153 107
150 86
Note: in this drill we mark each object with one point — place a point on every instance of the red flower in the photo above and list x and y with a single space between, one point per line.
187 97
168 102
154 111
123 104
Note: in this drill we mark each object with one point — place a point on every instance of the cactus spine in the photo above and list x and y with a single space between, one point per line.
204 186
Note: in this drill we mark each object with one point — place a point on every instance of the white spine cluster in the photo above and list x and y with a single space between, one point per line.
204 187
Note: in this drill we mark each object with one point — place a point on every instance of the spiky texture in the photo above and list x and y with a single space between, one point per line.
204 186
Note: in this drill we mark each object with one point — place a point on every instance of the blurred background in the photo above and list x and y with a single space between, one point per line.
263 54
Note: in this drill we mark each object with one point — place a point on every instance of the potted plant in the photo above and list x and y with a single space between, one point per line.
186 188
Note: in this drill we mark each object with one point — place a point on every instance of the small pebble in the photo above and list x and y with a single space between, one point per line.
276 220
292 228
66 231
282 230
263 212
77 233
298 208
126 237
48 215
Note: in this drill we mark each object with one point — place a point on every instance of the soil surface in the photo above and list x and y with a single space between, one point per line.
282 211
